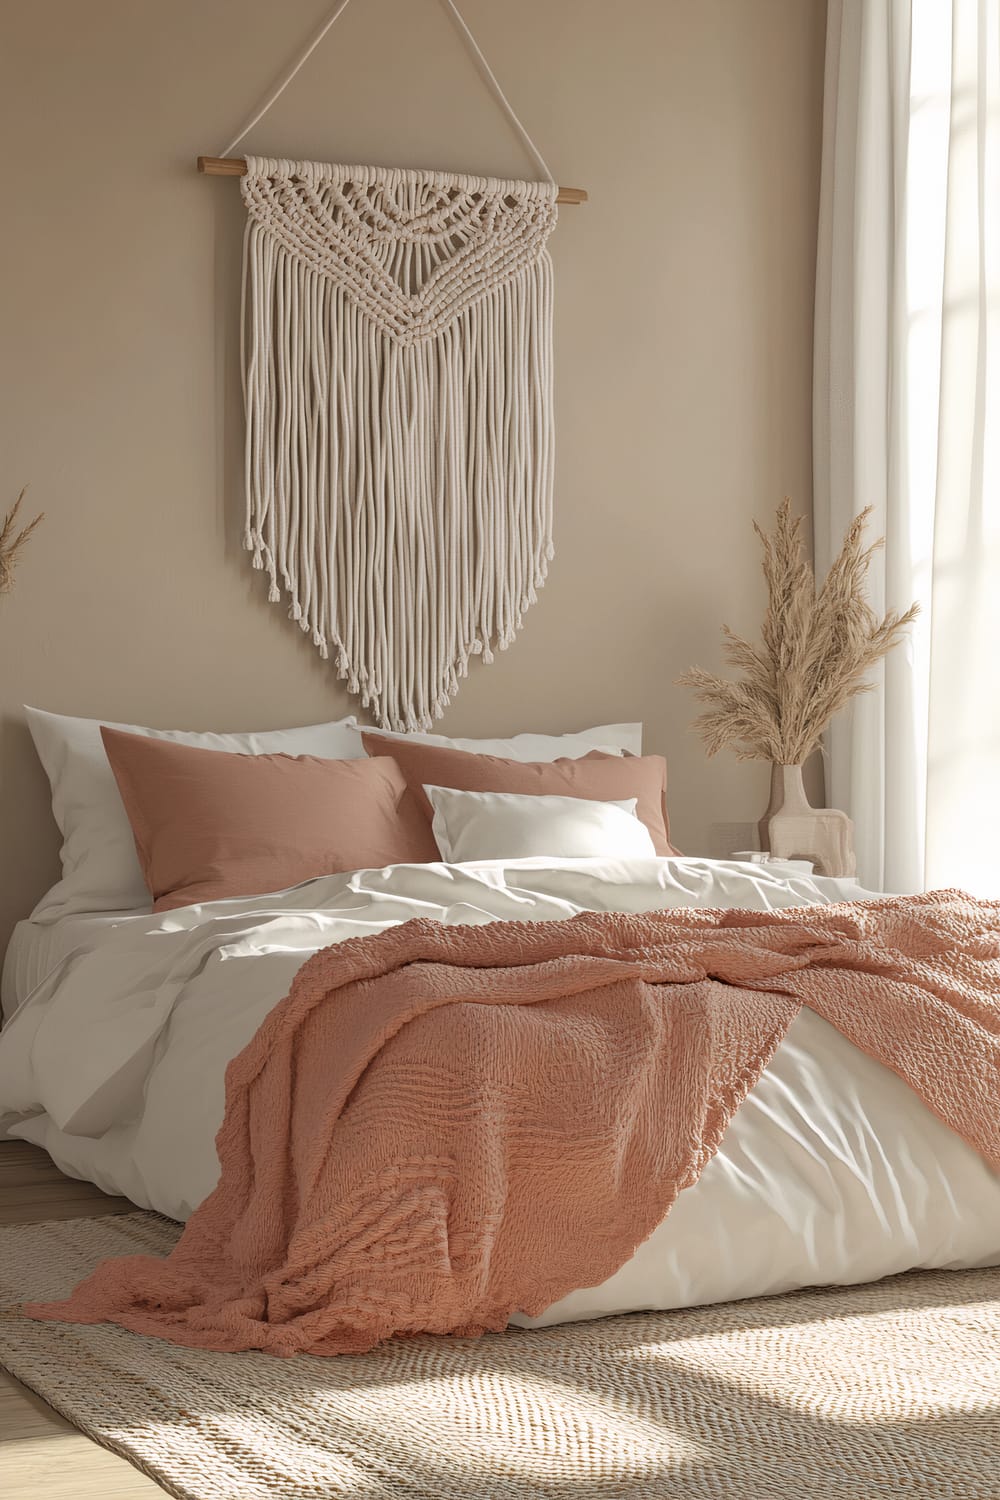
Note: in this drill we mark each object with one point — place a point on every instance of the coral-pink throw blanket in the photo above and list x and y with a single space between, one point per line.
442 1125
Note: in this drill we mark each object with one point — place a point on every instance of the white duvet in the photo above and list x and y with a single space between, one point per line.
832 1170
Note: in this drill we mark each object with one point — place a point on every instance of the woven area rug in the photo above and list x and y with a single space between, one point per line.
849 1393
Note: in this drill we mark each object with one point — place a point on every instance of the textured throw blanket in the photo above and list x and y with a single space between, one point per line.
442 1125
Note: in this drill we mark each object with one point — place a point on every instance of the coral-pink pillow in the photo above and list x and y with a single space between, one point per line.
596 777
209 824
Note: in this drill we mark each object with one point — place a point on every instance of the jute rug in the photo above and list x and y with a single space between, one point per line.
851 1394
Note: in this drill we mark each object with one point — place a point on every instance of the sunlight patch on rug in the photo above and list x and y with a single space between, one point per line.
838 1394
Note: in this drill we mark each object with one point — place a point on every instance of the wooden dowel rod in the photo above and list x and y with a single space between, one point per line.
235 166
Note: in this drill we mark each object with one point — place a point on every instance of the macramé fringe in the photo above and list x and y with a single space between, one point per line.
399 429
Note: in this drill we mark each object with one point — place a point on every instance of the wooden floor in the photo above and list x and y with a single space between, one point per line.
42 1457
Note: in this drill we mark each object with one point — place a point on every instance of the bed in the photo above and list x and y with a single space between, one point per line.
121 1020
832 1171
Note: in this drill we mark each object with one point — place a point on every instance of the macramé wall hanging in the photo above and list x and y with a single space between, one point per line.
397 374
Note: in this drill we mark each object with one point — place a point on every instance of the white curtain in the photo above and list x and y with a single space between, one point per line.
907 419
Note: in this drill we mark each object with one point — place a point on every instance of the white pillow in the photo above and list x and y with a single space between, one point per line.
620 737
100 868
508 825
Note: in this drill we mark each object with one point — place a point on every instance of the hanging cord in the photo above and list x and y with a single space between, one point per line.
498 92
473 47
300 62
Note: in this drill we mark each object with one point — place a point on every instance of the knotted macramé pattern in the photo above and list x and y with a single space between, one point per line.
398 390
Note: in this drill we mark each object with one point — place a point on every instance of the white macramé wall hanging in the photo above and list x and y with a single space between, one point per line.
397 365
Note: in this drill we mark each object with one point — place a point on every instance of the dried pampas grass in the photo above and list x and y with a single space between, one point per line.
12 542
816 647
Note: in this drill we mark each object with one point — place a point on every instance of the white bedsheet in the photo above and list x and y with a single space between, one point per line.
35 948
832 1170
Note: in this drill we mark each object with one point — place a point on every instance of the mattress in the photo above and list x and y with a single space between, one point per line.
36 948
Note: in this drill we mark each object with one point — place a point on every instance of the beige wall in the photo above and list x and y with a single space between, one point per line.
683 344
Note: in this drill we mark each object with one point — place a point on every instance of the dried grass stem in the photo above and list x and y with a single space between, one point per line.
12 542
816 647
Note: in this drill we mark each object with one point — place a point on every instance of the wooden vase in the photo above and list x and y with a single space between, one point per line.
792 828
